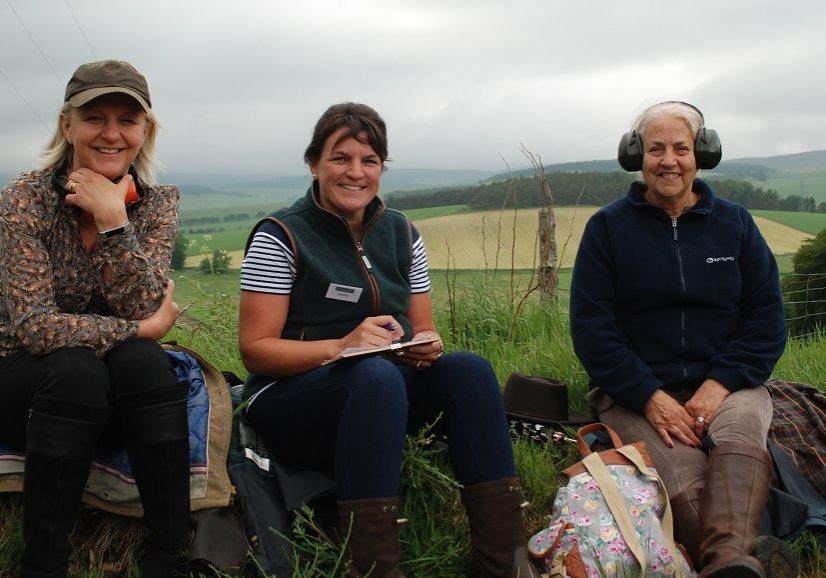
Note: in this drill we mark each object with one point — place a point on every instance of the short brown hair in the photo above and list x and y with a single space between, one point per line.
356 118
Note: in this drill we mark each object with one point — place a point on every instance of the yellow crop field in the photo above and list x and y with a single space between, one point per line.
498 240
484 240
501 240
782 239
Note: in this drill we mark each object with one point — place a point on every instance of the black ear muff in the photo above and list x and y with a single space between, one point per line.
629 153
707 150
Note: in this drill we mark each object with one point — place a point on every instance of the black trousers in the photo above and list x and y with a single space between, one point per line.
74 383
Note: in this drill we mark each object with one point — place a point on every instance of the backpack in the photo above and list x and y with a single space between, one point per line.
610 517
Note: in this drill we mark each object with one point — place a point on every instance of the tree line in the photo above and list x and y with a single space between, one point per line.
583 188
230 218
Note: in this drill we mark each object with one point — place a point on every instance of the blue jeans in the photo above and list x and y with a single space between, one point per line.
351 417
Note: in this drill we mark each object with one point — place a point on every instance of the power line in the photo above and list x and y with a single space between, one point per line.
82 33
23 98
23 24
45 59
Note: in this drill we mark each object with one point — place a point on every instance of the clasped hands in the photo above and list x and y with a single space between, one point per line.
687 423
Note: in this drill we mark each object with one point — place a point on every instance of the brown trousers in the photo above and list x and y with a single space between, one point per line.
744 417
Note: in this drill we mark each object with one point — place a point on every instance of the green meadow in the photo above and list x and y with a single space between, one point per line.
804 185
811 223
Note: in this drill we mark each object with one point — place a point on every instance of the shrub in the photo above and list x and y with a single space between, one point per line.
805 290
218 264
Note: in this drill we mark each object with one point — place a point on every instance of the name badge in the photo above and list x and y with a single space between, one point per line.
343 293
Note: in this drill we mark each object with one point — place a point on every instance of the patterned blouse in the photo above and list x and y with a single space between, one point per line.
52 293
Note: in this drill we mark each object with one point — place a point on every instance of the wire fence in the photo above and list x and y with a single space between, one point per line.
805 299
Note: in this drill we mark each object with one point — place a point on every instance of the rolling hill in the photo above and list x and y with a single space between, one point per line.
801 173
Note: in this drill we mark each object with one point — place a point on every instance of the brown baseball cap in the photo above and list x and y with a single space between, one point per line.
104 77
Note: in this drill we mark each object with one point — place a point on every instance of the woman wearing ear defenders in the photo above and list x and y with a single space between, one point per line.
85 295
677 316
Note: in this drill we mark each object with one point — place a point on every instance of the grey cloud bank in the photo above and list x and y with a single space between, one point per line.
238 85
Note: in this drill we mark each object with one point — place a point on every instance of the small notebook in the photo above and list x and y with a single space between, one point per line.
353 352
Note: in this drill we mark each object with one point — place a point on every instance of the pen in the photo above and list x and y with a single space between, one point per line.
391 327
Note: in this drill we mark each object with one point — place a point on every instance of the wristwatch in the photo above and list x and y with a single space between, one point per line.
109 233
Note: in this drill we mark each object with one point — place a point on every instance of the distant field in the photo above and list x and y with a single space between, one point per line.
809 185
459 240
496 240
811 223
430 212
246 199
197 211
234 235
474 240
230 239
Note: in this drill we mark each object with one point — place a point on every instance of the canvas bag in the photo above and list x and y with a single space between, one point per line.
611 517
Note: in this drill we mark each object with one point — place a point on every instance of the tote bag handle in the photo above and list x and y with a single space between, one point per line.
616 504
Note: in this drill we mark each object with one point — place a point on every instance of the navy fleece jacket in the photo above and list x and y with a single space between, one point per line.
658 302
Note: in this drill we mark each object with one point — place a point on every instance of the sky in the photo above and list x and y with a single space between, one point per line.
238 85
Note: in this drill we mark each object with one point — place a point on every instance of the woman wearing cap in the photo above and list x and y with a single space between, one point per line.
85 295
677 316
338 270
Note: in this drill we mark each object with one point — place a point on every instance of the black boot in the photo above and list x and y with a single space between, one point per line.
59 453
158 444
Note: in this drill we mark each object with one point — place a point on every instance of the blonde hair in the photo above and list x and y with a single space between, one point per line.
59 152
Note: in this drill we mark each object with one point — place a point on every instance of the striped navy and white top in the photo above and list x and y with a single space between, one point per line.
269 266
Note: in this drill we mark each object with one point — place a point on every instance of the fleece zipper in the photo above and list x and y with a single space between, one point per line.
683 291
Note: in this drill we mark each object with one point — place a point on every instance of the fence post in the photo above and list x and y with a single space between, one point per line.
548 269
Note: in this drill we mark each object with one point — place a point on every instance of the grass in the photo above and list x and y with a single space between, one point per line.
811 223
485 317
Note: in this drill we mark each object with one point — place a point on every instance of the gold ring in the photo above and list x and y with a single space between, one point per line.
70 185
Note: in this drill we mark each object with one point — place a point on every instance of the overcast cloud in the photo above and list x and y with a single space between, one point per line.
238 85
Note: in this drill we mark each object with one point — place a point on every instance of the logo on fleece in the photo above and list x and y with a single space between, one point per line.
718 259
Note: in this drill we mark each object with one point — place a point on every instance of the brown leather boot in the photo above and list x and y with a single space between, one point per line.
687 531
777 557
497 532
731 507
371 528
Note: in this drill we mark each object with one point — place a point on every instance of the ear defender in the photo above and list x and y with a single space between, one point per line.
629 154
707 150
